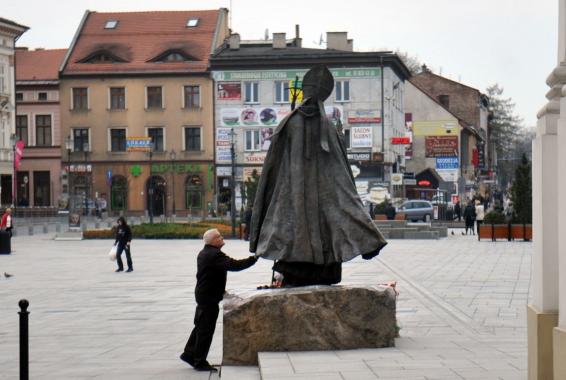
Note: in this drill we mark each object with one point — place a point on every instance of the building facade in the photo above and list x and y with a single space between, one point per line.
137 112
254 86
38 126
9 34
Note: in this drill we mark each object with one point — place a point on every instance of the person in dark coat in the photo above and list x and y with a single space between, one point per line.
306 175
390 211
212 267
470 217
123 239
247 220
458 211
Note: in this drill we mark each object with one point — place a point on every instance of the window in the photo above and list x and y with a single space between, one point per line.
111 24
192 22
193 192
281 92
174 57
19 96
252 140
444 100
251 90
2 79
43 130
347 138
41 188
192 96
80 98
42 96
342 91
192 138
22 128
154 97
80 139
156 135
117 98
118 140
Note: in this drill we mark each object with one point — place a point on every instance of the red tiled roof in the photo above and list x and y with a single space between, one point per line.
141 36
38 64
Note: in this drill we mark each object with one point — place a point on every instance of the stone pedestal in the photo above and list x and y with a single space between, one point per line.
306 319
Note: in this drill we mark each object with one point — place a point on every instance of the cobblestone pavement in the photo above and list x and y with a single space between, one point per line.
461 310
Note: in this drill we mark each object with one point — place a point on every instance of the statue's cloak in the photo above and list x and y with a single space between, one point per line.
307 209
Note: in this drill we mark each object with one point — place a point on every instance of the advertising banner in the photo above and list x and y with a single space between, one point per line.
361 137
441 146
19 153
138 144
254 158
229 90
359 156
223 154
447 163
267 116
435 128
266 134
364 116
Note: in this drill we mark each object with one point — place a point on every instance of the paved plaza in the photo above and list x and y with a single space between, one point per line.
461 310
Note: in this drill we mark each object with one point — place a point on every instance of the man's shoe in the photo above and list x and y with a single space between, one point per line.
119 270
206 367
130 270
187 359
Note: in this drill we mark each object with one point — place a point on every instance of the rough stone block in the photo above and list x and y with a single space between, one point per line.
305 319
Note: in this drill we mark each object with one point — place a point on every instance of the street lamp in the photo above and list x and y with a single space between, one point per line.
69 147
13 139
233 184
173 156
85 151
150 190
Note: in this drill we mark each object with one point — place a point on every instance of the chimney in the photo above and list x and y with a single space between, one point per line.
234 41
298 39
22 48
279 41
339 41
39 49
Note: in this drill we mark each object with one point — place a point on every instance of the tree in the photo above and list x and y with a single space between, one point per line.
521 192
413 63
504 129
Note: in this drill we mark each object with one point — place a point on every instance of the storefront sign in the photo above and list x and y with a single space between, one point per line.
441 146
223 134
448 175
81 168
361 137
447 163
409 181
267 116
229 91
481 155
400 140
223 154
396 178
424 182
359 156
363 72
435 128
248 172
223 171
364 116
138 144
254 158
176 168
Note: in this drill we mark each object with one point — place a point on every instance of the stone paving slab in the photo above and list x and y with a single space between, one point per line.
461 310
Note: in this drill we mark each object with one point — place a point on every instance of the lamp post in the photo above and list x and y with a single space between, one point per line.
150 190
233 184
13 140
69 146
173 156
85 151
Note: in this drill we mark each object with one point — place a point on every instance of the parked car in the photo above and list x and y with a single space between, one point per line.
417 209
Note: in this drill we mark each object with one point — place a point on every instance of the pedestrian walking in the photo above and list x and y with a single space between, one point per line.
7 223
212 268
123 239
246 221
480 213
470 217
458 210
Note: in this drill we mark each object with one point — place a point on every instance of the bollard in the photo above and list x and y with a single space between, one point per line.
24 348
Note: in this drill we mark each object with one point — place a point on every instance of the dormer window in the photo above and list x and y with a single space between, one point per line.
192 22
102 56
111 24
173 56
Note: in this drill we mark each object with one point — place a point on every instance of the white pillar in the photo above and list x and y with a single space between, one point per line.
561 185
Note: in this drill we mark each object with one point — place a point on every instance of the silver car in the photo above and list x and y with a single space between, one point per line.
417 209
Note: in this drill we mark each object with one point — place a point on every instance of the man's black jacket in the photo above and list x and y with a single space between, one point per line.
212 266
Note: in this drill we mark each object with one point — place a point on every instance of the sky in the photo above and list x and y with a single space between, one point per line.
478 43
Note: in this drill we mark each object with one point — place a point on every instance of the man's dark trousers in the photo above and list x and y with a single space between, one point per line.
124 248
201 337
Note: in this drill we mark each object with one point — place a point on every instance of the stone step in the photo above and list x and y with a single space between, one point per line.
239 373
421 235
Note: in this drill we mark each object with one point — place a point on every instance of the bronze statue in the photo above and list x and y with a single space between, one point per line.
307 214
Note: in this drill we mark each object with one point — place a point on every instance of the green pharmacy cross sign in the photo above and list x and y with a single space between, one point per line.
135 170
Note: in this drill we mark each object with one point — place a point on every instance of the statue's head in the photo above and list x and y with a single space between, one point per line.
318 83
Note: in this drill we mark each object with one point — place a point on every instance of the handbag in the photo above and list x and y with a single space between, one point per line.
113 252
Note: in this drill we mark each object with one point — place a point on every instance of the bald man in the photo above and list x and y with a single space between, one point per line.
212 268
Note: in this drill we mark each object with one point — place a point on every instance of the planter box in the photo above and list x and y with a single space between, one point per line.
400 216
520 231
380 217
505 231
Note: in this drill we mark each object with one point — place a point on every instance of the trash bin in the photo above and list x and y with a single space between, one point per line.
5 244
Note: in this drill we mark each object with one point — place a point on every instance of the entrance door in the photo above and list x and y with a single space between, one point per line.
158 193
119 193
